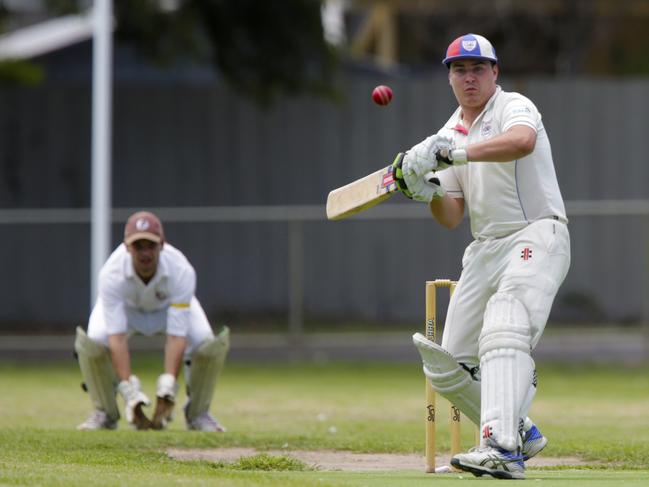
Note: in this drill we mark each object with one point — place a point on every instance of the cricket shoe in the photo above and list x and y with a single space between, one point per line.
205 422
533 442
98 420
499 463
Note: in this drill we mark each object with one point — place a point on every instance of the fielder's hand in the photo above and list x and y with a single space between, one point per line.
134 400
166 391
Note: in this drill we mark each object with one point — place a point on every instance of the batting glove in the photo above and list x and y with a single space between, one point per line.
423 189
420 159
433 154
397 173
426 188
447 156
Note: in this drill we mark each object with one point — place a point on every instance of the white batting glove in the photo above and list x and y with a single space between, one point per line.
432 181
420 159
433 154
450 157
133 396
167 387
424 188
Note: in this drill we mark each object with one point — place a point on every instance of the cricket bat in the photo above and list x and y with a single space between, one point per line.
361 194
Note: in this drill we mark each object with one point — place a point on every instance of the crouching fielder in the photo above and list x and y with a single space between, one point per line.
493 157
147 286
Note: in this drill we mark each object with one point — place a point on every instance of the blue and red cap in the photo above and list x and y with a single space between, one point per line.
470 46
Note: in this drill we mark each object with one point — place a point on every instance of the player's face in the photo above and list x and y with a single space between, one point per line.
473 82
145 255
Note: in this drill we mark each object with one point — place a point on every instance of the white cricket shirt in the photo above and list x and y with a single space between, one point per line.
171 288
502 198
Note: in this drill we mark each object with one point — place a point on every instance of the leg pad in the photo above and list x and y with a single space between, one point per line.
203 371
98 373
449 378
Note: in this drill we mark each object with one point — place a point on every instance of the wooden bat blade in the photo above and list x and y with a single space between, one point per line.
361 194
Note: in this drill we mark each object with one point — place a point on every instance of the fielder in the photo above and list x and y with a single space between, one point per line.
493 159
147 286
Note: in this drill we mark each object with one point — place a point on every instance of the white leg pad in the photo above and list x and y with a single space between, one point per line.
98 373
202 373
449 378
507 370
529 397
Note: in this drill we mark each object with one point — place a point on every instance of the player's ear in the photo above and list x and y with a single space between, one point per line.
496 71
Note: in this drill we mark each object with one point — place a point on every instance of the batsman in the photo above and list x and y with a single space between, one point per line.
493 159
147 286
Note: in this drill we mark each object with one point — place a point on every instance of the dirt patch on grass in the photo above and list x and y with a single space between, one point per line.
340 460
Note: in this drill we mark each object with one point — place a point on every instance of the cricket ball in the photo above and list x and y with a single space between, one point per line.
382 95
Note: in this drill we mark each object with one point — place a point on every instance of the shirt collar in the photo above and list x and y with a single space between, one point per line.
455 122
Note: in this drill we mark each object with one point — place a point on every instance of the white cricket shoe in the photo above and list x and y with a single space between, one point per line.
98 420
499 463
533 443
205 422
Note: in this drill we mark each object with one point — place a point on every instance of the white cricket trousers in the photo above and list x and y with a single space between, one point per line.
529 264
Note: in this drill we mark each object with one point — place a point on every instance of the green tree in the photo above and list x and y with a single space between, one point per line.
263 49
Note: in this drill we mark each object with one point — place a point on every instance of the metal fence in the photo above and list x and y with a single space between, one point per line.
241 191
298 263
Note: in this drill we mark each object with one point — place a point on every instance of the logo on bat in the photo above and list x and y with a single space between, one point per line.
388 183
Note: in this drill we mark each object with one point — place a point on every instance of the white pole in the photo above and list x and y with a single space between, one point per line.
101 141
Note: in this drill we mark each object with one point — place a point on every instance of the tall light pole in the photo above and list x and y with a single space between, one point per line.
101 200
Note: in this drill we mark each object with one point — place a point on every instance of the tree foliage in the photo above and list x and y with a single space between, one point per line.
263 49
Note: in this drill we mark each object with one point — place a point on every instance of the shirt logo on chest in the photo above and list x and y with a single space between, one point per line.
526 253
485 128
160 295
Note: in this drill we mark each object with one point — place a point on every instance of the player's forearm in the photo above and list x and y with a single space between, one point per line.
174 351
119 354
447 211
517 142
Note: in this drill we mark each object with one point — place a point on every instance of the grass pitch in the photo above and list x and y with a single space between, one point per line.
600 414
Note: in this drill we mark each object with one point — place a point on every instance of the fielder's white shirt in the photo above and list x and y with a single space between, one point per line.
502 198
172 288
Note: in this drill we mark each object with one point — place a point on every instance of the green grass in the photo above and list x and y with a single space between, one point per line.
600 414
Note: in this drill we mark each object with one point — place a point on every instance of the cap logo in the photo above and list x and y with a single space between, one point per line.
142 224
469 44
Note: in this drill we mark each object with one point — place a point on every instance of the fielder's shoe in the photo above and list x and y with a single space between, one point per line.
498 463
205 422
98 420
533 443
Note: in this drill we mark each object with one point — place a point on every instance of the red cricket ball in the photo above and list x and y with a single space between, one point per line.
382 95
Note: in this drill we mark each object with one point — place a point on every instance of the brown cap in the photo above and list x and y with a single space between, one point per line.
143 225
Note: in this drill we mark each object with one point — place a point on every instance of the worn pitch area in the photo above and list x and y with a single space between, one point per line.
340 460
